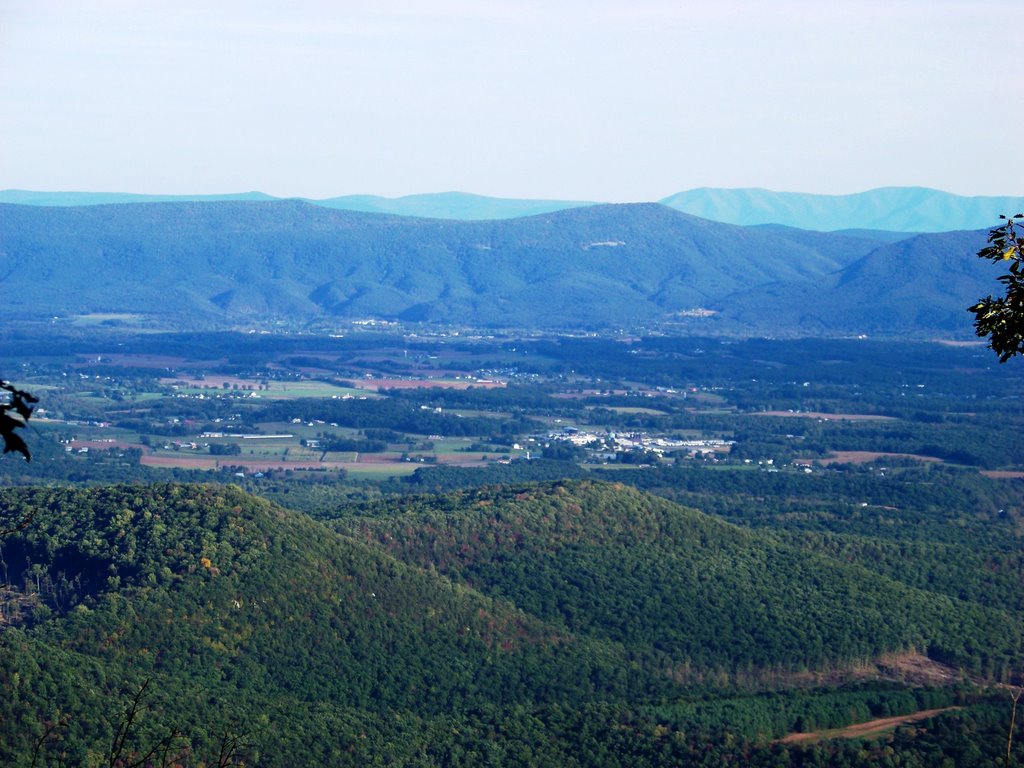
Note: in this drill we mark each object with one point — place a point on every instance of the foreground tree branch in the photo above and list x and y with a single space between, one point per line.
15 414
1001 319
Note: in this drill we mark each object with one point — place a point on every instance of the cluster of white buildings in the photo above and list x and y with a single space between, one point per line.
625 442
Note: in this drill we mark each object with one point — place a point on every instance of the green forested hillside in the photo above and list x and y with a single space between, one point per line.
560 624
941 529
611 562
231 605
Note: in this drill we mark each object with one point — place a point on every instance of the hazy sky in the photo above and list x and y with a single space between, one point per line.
570 99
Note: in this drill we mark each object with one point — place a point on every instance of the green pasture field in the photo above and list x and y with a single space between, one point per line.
291 390
301 430
381 471
91 432
144 396
449 445
278 451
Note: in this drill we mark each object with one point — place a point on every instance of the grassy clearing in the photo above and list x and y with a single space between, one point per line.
89 433
628 409
449 445
379 471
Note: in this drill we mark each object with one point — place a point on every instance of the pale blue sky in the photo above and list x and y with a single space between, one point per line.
570 99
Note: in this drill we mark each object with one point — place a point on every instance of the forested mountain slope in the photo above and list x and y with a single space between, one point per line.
611 562
923 283
234 608
217 264
602 266
569 617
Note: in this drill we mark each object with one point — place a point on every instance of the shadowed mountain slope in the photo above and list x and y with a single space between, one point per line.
923 284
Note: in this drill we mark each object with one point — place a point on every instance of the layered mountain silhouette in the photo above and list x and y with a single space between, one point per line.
438 205
449 205
597 267
887 209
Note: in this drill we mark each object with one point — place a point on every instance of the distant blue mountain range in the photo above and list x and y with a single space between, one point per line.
211 264
442 205
450 205
890 209
71 199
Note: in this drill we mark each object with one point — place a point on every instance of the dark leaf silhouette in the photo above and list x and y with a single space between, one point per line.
1001 319
15 415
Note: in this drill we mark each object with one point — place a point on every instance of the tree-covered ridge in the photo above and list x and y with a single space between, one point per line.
942 529
204 588
233 565
612 562
252 621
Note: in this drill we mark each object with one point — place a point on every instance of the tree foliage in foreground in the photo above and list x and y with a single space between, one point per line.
1002 319
14 414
